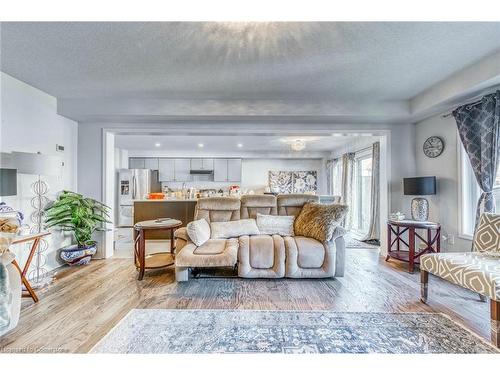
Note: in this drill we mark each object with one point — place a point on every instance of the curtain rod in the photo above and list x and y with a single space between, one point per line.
476 100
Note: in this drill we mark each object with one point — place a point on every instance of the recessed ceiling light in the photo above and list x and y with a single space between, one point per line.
157 144
298 145
201 145
240 145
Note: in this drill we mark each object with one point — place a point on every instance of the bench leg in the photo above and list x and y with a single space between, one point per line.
495 322
424 281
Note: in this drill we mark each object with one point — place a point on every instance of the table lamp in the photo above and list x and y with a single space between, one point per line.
419 186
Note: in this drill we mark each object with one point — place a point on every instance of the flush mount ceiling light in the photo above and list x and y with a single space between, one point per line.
298 145
201 145
240 145
157 144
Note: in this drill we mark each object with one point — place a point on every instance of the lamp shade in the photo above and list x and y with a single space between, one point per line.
8 182
38 164
419 185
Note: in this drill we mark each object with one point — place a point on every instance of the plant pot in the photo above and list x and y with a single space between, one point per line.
78 256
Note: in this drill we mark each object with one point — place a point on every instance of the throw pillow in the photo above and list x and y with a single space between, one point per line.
198 231
231 229
319 221
272 224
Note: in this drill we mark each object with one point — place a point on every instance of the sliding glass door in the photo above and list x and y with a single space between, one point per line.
361 201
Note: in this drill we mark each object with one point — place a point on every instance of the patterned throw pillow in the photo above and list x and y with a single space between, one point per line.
319 221
487 236
198 231
273 224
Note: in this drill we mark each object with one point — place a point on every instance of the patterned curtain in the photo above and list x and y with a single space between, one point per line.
479 128
347 182
374 229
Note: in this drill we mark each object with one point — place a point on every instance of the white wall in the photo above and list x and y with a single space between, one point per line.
255 172
30 123
443 205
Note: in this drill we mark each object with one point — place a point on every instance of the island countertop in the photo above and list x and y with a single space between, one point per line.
152 209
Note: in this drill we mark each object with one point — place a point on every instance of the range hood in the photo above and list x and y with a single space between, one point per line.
201 171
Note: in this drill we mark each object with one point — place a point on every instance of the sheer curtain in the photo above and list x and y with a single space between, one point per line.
347 185
374 228
332 177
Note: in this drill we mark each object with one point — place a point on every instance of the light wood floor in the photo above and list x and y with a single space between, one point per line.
84 303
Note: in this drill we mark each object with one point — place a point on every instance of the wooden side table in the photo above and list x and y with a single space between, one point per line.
432 241
156 260
36 237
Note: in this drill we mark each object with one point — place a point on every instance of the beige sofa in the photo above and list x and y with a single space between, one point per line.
259 256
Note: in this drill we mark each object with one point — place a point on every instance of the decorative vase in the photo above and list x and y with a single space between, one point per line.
78 256
420 209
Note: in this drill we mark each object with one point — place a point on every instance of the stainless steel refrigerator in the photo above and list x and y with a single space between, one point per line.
134 184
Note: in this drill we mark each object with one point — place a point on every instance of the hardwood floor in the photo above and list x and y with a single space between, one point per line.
84 303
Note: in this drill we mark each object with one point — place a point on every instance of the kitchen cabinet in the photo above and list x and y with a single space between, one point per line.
166 169
182 170
227 170
234 170
202 164
151 163
136 163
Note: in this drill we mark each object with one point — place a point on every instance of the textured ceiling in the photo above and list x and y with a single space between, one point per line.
345 61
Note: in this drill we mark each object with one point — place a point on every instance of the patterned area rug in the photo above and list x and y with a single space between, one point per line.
353 243
254 331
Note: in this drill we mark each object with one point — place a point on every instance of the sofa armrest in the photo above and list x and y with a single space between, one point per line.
339 256
181 239
338 232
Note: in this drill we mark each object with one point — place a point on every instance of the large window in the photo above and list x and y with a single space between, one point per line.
470 193
361 201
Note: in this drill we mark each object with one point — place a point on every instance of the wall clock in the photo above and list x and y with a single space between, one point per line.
433 147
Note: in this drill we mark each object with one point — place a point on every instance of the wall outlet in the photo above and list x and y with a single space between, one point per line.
59 148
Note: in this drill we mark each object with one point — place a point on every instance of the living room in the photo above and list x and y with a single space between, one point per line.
249 187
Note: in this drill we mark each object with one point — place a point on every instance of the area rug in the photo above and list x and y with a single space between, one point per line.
255 331
355 244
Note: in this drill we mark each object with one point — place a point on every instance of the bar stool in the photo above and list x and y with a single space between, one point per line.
156 260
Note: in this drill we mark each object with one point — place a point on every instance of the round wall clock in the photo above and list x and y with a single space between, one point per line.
433 147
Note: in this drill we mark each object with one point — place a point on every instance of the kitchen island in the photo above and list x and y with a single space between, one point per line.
152 209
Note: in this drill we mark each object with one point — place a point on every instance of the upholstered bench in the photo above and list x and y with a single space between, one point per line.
478 270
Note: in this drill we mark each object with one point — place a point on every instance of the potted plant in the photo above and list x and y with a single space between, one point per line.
73 212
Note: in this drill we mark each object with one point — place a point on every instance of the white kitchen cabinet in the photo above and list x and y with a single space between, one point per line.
136 163
234 170
197 164
151 163
220 169
208 164
166 169
182 170
202 164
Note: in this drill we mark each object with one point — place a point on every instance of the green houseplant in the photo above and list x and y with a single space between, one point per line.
82 216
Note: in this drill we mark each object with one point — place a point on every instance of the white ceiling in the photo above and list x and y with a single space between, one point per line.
354 60
228 144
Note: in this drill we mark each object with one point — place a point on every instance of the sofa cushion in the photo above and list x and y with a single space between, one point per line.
218 209
213 253
291 204
319 221
232 229
261 251
272 224
475 271
254 204
311 253
198 231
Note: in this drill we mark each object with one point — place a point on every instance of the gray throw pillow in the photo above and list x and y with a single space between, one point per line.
273 224
232 229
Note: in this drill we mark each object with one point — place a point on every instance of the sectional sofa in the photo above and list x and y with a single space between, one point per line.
259 255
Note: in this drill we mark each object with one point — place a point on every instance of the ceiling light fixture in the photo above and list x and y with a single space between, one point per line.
157 144
240 145
201 145
298 145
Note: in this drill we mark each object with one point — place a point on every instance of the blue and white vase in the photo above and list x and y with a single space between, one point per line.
78 256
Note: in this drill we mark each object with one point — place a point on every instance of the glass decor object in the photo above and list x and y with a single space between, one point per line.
419 186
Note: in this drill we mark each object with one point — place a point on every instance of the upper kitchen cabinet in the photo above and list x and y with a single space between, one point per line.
151 163
166 169
227 170
234 170
136 163
202 164
182 171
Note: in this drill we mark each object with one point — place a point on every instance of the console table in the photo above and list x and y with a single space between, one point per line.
431 239
35 238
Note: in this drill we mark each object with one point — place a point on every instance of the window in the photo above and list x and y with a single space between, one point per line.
362 191
470 193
